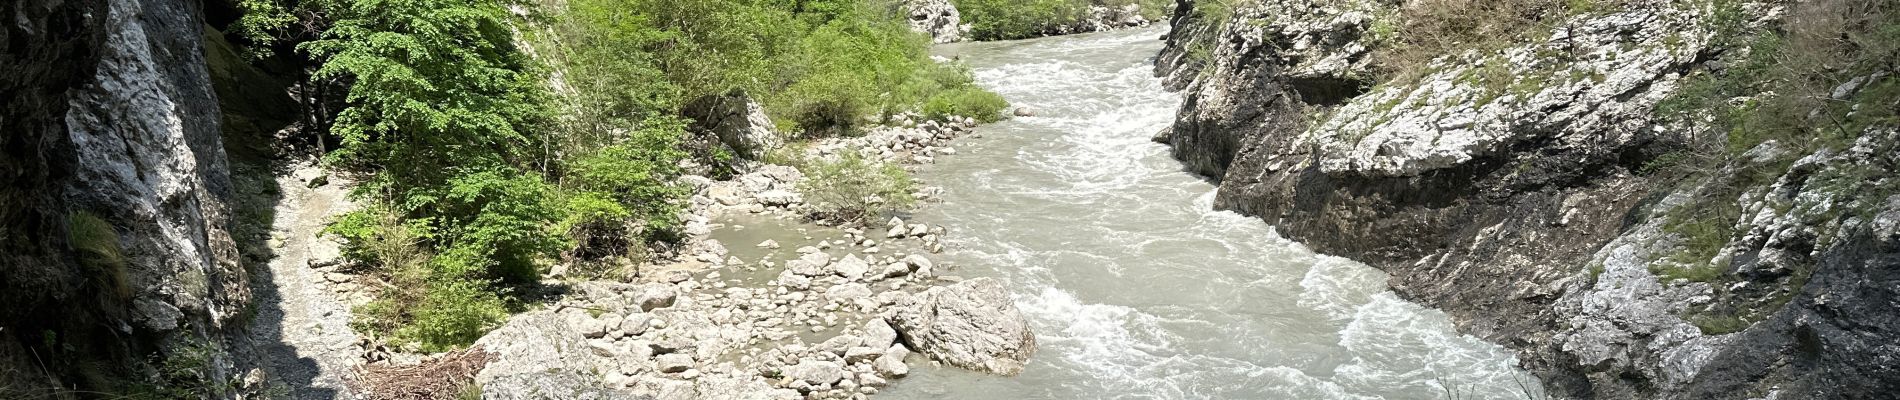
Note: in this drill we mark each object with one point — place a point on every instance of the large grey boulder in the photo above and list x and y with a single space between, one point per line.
878 333
655 295
537 354
675 362
972 324
938 18
891 364
810 264
815 372
553 384
851 267
739 122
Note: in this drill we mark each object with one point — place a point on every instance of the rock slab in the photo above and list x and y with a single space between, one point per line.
972 325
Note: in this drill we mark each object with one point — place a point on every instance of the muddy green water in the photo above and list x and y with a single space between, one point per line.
1135 286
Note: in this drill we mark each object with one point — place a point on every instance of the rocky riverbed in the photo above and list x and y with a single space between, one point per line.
837 318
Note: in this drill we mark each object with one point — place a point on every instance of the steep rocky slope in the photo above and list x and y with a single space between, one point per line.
1516 190
114 223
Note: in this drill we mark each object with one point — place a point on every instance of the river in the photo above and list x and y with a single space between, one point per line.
1135 286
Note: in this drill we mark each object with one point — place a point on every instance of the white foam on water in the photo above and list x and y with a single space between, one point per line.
1338 287
1093 226
1131 351
1405 347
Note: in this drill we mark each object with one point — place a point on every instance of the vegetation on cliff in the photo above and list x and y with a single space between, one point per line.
1817 82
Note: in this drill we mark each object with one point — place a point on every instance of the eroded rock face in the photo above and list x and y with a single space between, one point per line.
972 325
1258 79
1817 281
938 18
110 117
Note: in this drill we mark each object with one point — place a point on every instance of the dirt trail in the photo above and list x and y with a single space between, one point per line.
301 332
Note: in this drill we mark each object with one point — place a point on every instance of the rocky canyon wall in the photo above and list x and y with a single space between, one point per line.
1512 188
114 237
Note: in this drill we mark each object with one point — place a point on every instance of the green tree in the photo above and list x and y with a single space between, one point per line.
440 107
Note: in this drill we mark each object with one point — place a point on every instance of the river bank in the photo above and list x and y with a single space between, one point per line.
798 314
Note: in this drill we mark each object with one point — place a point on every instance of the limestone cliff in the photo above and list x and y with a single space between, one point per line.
114 236
1514 189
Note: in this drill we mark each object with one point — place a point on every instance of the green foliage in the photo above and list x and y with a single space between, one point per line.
262 21
454 313
622 195
976 103
615 83
1781 90
1782 87
439 111
478 175
1013 19
471 391
99 254
948 90
853 189
1016 19
376 238
1719 324
183 372
821 68
860 67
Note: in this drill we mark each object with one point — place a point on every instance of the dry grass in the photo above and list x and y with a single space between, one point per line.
448 376
1423 30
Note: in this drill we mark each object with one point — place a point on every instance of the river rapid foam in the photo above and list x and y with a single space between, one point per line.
1136 287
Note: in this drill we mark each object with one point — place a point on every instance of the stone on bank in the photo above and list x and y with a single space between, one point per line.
972 325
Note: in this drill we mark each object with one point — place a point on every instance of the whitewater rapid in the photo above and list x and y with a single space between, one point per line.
1135 286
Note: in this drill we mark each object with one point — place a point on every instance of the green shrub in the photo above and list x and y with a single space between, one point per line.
470 391
184 372
854 68
384 242
615 83
433 311
821 68
438 116
949 89
1719 324
1780 90
853 189
830 104
623 195
969 102
454 313
97 243
1016 19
